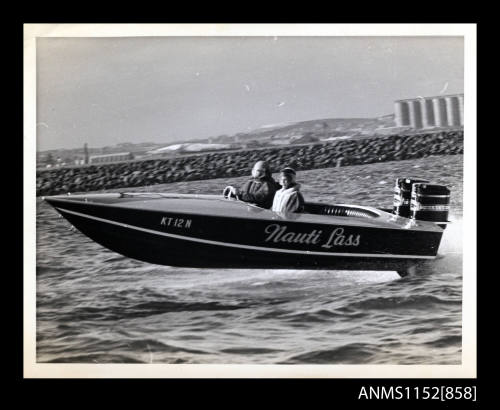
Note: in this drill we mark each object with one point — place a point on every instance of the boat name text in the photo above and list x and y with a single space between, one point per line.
176 222
277 233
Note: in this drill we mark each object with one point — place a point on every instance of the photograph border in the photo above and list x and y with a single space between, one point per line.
468 368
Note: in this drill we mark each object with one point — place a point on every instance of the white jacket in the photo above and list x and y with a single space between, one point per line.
288 200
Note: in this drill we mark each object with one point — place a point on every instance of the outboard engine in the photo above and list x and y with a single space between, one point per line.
430 203
402 195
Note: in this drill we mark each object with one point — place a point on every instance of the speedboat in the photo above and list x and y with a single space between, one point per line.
212 231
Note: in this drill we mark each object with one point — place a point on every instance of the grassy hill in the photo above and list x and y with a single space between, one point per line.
321 128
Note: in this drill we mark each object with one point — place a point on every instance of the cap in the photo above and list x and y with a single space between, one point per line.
288 170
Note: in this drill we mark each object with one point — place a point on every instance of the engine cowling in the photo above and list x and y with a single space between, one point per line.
402 195
430 202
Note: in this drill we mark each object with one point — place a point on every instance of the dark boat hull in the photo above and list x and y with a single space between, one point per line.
149 248
176 238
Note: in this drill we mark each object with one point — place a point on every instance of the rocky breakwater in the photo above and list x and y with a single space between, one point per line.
239 163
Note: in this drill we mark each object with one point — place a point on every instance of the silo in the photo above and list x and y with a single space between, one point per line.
427 113
452 111
461 108
402 113
440 116
415 114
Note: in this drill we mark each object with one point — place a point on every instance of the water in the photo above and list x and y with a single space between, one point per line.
95 306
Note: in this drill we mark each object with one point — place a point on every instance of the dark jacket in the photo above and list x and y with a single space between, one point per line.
260 191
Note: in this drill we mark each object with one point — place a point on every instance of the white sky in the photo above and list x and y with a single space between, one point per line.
104 91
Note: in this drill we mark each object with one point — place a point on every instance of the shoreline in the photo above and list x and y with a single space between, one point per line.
214 165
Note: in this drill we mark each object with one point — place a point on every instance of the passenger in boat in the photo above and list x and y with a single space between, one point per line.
259 190
289 198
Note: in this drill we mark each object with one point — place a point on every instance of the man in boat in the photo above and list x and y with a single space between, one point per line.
289 198
259 190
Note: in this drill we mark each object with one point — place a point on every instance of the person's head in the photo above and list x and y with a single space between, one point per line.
261 169
287 177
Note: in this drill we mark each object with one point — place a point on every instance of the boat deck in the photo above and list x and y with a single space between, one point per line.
216 205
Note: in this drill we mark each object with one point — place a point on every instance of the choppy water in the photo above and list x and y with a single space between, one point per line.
95 306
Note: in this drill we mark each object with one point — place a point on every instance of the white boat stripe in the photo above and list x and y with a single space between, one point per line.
234 245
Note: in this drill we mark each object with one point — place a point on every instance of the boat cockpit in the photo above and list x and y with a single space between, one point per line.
338 210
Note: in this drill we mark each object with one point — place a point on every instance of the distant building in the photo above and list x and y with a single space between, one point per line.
392 130
106 158
442 111
190 147
343 137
